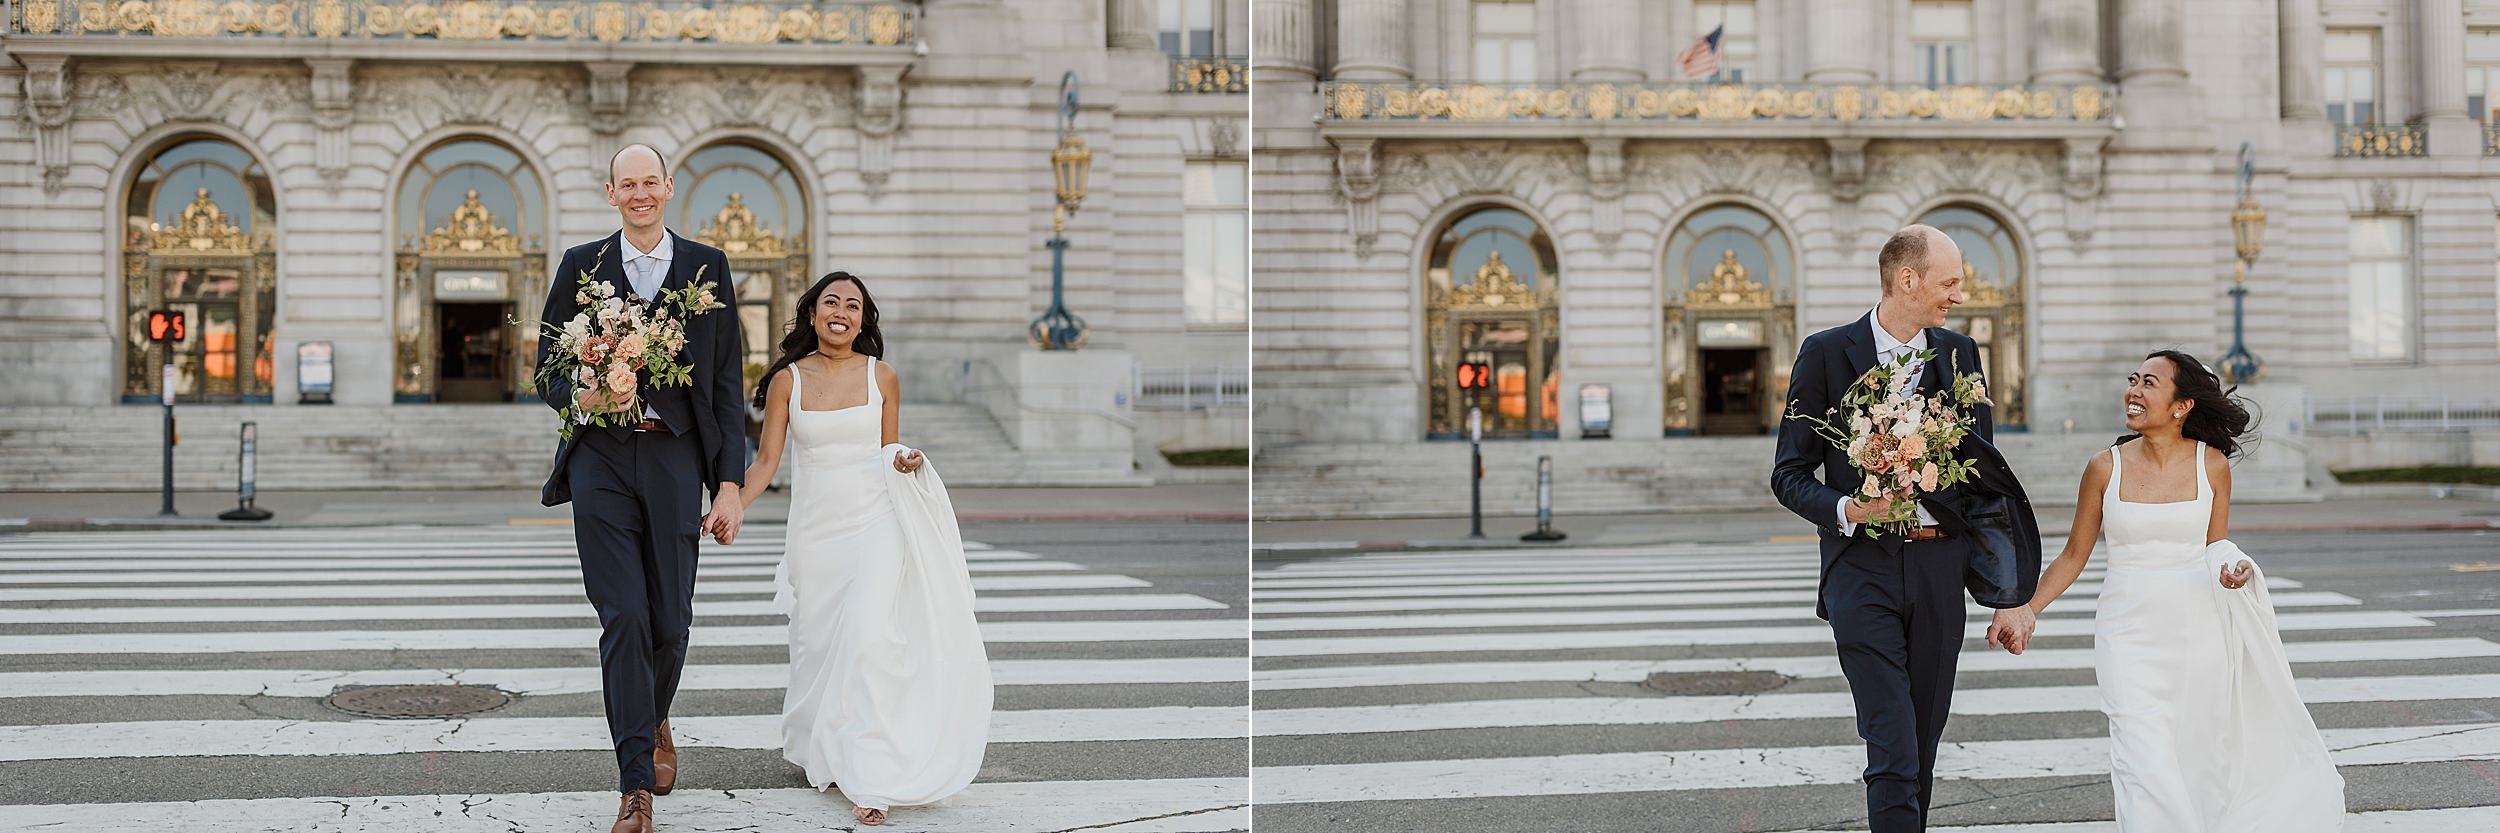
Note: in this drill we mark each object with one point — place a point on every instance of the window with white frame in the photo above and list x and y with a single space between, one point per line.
1940 41
1505 40
2351 83
1737 40
2482 74
1186 28
2381 279
1215 243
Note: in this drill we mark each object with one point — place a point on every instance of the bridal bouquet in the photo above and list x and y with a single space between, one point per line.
603 348
1900 439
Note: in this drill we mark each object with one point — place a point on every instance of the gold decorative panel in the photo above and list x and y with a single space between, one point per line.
1728 287
735 230
1352 101
201 228
471 229
886 24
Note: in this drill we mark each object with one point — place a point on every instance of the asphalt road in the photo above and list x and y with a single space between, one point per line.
147 669
1493 691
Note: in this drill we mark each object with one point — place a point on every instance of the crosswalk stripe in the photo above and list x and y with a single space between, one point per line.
1627 711
162 738
2447 820
581 680
439 587
1823 666
1561 640
706 585
1803 595
1542 618
326 576
1261 594
485 565
1746 768
1622 565
581 610
516 639
1176 805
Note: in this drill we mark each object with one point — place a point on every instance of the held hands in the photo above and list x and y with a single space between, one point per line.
729 512
2236 576
908 461
2012 629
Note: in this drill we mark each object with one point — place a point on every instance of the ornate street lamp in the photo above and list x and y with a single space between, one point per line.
1059 329
2248 235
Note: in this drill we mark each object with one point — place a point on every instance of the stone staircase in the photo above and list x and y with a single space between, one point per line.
45 448
1627 476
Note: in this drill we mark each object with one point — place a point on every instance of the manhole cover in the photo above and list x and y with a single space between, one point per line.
417 700
1706 683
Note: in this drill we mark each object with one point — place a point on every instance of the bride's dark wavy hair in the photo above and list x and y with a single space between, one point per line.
801 339
2220 419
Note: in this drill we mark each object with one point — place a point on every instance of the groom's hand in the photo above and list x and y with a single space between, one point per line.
728 513
2012 628
1861 509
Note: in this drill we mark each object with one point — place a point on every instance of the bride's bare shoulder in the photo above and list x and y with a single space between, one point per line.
2097 470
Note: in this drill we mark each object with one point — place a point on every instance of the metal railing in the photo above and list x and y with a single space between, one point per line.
1837 103
1211 75
745 22
1190 388
2374 140
2373 414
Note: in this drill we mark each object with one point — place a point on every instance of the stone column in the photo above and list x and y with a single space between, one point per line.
2302 36
2152 42
1132 24
2439 26
1837 34
2067 42
1371 41
1281 51
1608 50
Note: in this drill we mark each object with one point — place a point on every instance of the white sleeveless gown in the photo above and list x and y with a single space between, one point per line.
889 695
2206 732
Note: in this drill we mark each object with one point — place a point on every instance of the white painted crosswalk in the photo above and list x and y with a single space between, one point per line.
1417 687
148 655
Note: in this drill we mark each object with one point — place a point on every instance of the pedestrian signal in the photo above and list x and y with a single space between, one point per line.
165 325
1475 376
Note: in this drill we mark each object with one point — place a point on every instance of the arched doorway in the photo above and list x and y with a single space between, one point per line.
470 261
197 237
1991 313
745 201
1730 317
1490 291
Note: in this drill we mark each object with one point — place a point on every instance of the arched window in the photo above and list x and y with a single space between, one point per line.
1991 313
744 201
1730 321
197 238
1491 284
470 260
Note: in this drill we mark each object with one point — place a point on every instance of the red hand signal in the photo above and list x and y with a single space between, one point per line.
165 325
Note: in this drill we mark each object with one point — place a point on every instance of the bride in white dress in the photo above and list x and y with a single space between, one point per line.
889 696
2206 732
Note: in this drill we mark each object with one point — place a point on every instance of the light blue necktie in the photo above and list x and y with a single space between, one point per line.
642 278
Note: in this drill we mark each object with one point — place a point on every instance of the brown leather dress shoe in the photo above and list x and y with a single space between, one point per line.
633 813
664 763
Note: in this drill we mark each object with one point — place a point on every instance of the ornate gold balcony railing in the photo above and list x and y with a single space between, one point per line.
1892 103
746 22
2372 140
1211 74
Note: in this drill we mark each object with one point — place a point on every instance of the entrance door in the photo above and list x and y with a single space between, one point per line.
1732 394
473 354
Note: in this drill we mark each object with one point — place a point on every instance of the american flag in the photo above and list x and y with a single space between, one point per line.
1702 60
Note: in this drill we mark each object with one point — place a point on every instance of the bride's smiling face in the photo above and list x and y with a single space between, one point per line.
2152 395
837 315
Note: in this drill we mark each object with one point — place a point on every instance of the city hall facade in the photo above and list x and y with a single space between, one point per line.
363 202
1537 189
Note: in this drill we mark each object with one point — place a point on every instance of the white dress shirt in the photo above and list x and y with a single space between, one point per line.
646 272
1888 349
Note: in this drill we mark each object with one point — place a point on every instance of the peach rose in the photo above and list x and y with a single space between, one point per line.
1912 446
1927 477
632 347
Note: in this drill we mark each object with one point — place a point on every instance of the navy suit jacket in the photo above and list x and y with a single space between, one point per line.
1810 475
713 347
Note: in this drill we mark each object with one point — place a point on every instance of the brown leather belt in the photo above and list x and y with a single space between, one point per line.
1924 533
650 426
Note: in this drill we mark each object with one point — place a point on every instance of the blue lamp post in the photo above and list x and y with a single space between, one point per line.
2248 232
1059 329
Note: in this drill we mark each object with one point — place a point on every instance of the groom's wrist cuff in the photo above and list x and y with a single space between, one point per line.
1841 517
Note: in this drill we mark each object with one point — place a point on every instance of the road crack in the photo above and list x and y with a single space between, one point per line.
1200 811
